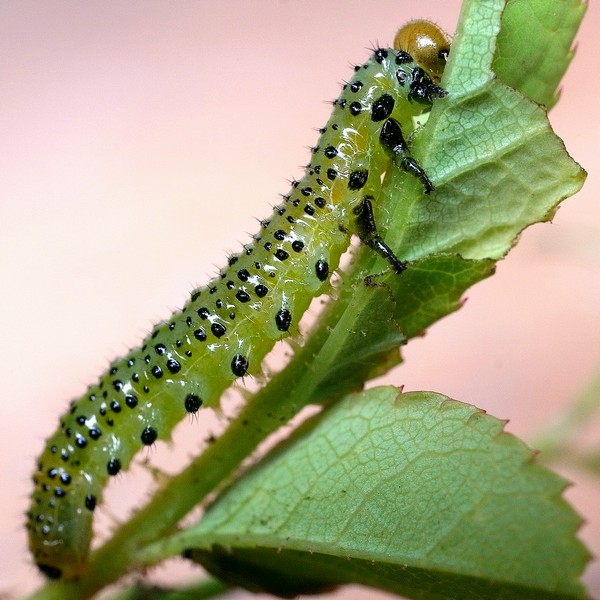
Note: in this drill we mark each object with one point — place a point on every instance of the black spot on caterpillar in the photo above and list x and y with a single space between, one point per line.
188 361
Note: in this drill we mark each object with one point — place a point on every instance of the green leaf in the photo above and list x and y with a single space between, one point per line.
359 335
497 165
358 342
431 289
413 493
533 59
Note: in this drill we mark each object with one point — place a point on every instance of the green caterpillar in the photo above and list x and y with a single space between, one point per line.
226 328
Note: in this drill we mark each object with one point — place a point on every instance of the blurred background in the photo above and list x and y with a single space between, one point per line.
139 140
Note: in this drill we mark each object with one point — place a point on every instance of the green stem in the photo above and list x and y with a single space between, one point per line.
207 588
557 441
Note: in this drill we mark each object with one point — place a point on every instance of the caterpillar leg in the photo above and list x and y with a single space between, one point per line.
395 145
367 231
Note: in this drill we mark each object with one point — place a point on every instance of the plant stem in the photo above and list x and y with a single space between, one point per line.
557 441
207 588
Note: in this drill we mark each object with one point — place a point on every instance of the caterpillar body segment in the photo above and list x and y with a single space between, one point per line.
227 327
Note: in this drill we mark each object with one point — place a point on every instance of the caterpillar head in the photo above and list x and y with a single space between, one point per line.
427 44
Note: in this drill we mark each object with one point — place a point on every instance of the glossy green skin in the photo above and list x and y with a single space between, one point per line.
309 230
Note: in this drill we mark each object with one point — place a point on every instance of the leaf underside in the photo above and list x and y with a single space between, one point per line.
413 493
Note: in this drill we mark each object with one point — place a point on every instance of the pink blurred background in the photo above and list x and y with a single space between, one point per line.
139 140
